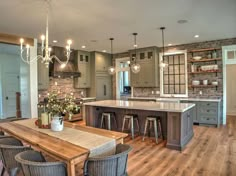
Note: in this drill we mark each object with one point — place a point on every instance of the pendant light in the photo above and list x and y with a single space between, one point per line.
111 69
162 63
135 67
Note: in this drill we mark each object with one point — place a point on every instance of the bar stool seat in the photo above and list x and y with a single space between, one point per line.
106 118
156 121
130 118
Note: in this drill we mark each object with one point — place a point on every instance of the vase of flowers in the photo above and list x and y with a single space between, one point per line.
57 106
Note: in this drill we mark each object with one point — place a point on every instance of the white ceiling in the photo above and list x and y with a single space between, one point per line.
87 20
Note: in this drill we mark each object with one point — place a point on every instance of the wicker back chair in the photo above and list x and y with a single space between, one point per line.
113 165
34 164
9 147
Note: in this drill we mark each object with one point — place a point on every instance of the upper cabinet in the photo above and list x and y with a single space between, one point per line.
102 62
149 72
83 66
101 81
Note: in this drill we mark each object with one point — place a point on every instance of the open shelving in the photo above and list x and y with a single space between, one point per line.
204 60
203 72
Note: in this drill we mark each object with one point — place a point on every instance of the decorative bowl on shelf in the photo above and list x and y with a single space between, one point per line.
214 83
197 57
195 82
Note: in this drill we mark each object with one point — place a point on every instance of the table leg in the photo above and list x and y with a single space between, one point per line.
71 168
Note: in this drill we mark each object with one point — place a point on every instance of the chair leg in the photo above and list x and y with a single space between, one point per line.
145 129
109 122
123 125
160 128
137 123
114 116
132 127
102 121
155 130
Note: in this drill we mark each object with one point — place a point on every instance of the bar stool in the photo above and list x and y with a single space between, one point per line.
130 118
153 120
106 116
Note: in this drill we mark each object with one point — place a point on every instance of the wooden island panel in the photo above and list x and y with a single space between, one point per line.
177 125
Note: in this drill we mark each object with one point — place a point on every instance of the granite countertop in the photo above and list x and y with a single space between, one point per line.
152 106
88 98
176 99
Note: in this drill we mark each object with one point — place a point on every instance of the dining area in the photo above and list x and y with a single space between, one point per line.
28 150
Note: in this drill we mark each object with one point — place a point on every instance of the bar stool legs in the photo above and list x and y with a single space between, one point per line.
153 120
108 116
130 118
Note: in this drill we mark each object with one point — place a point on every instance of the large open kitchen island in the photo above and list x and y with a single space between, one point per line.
177 118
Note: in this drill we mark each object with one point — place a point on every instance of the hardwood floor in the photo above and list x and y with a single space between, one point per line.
211 152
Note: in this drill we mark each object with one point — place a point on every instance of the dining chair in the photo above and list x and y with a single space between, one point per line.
113 165
34 164
9 147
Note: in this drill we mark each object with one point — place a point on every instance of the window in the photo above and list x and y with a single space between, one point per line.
174 77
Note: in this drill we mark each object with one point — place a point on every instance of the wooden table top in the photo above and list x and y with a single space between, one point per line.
62 149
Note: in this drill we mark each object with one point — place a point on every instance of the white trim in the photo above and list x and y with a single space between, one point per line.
186 74
226 62
118 69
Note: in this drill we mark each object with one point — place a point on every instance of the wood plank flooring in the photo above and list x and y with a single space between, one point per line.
211 152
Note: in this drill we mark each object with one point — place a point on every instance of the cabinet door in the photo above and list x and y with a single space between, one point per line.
103 88
195 115
43 76
84 80
103 62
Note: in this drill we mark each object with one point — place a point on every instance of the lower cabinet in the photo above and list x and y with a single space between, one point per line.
207 113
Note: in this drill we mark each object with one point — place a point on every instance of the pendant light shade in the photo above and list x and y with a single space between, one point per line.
135 67
111 69
162 63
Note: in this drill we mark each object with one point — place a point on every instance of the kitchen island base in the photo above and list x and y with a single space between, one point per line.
177 126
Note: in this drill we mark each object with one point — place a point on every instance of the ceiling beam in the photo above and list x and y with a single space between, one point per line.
14 39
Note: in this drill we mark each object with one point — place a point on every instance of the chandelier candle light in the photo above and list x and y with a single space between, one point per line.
111 69
45 49
135 67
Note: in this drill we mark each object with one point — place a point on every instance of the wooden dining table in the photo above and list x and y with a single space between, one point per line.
57 148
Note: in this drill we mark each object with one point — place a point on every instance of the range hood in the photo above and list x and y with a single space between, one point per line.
67 72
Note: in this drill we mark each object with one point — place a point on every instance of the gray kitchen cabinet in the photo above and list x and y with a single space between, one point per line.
149 72
206 112
101 81
43 76
102 62
83 66
103 91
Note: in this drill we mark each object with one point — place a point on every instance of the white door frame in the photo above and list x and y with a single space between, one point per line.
226 62
118 69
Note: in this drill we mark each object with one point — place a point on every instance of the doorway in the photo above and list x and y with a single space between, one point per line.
9 84
229 83
123 88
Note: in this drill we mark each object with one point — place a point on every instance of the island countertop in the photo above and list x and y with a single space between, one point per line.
153 106
171 99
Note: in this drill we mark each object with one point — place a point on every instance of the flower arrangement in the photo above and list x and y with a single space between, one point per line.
58 105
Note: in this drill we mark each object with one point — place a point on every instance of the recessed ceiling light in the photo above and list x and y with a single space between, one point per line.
196 36
169 44
104 51
83 46
54 41
182 21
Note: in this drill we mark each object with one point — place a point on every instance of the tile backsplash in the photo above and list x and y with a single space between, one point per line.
64 86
